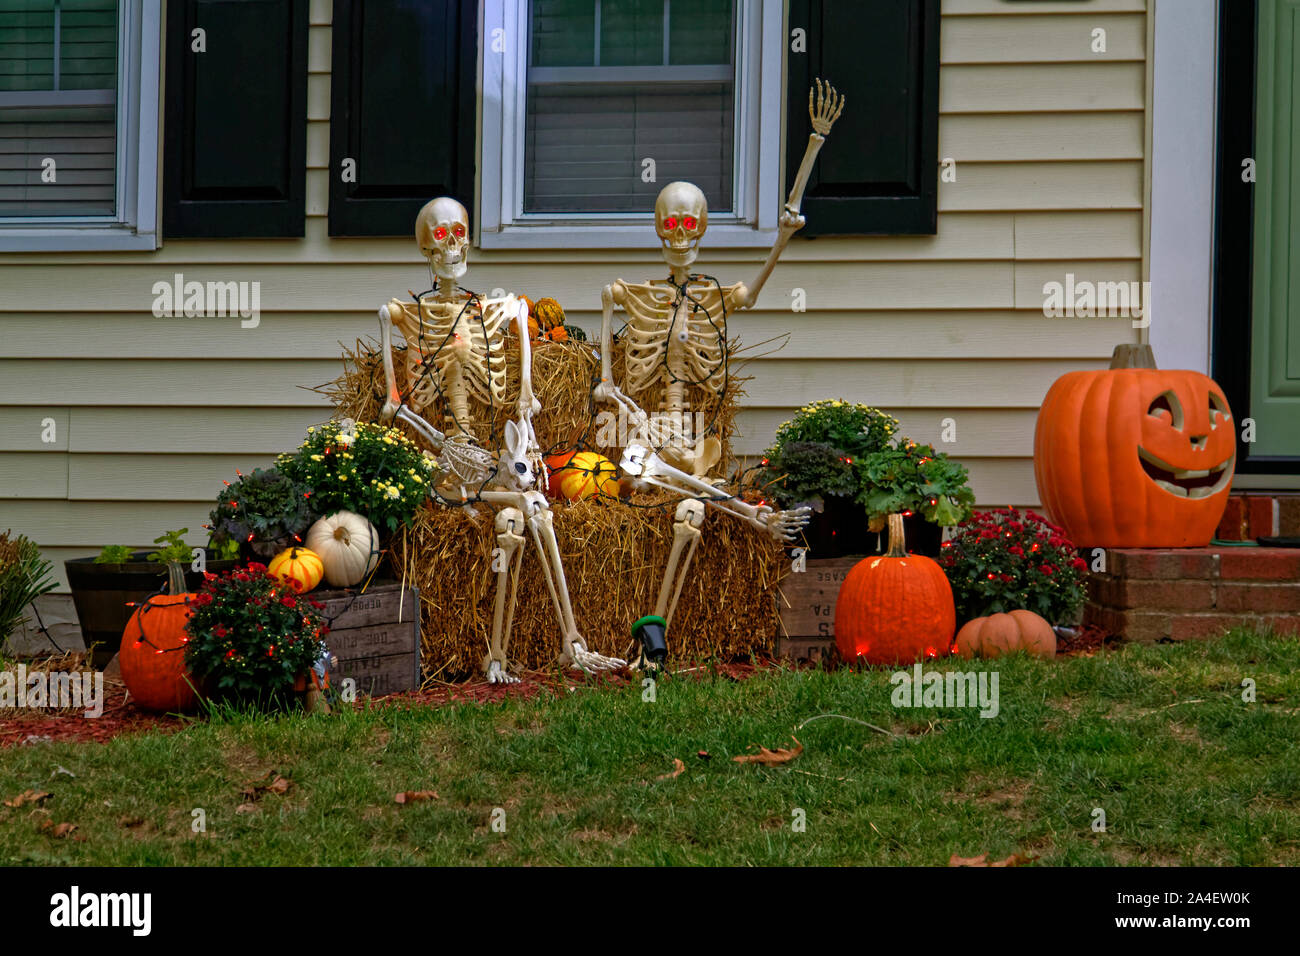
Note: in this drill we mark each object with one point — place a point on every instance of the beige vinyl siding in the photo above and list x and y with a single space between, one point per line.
152 414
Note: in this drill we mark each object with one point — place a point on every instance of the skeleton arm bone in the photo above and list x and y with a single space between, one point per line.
644 465
608 295
824 111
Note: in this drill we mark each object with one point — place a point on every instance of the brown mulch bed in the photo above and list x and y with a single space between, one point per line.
1088 640
119 717
123 717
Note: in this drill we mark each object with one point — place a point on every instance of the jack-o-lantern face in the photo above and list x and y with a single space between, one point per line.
1136 458
1188 451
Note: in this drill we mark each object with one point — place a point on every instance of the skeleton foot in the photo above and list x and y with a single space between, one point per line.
576 655
496 674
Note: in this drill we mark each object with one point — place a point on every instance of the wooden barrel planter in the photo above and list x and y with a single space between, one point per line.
101 593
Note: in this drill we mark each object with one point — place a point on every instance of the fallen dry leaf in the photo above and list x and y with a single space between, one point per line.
57 829
703 755
411 796
131 822
28 796
678 767
1015 859
248 808
271 783
771 758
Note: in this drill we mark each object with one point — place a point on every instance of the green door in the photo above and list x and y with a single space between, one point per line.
1275 324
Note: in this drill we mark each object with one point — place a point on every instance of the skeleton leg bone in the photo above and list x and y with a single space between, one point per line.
510 522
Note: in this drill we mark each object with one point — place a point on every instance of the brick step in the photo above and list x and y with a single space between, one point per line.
1195 593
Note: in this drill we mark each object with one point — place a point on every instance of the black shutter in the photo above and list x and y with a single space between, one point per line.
236 119
403 109
878 172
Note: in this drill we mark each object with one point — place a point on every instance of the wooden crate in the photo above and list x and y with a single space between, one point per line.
375 636
807 606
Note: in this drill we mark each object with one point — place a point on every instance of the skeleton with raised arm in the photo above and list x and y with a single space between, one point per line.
675 339
456 367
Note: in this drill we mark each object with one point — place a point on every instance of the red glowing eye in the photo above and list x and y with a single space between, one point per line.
689 222
459 230
440 233
670 223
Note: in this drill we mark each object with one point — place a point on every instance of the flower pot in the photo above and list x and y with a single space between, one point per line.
838 530
101 593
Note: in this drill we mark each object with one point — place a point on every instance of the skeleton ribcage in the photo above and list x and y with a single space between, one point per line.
447 340
655 354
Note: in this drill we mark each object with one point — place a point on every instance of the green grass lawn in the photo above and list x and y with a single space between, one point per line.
1158 737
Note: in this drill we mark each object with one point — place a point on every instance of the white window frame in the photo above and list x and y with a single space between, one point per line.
135 226
501 222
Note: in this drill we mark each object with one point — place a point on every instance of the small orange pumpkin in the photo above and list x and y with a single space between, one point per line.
894 609
1135 457
999 634
152 656
581 474
557 333
299 568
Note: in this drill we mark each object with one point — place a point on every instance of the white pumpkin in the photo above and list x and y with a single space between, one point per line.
348 546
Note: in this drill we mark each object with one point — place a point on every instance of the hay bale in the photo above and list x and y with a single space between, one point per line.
614 556
614 551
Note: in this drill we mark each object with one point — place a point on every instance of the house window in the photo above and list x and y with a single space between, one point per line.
617 89
603 102
78 124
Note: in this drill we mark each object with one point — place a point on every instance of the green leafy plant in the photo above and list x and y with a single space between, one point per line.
1007 559
24 576
856 430
251 637
808 471
369 469
226 549
174 550
114 554
907 478
813 454
265 510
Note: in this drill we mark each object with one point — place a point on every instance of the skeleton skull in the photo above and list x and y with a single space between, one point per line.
681 216
442 230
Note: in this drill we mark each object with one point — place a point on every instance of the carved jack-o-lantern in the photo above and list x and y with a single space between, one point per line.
1135 457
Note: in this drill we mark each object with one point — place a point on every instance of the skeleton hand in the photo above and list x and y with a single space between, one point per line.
785 525
828 107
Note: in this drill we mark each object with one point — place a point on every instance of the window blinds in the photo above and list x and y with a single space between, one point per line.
58 131
613 84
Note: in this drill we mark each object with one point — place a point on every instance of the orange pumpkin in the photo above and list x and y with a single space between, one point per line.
1135 457
557 333
581 474
152 655
298 568
1000 634
894 609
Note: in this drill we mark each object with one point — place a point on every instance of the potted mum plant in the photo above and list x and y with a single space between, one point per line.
811 463
1005 560
368 469
253 639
